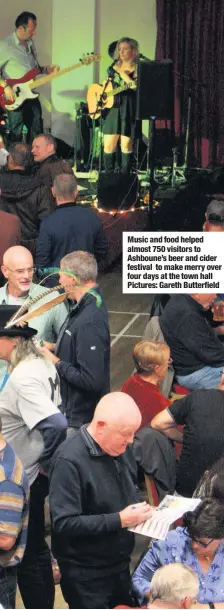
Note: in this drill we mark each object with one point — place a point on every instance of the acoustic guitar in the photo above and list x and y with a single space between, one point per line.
100 97
23 87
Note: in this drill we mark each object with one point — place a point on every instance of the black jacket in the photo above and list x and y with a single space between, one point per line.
192 341
49 168
155 454
88 488
24 196
68 229
83 347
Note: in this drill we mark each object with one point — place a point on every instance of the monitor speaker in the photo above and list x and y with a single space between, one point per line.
117 191
155 90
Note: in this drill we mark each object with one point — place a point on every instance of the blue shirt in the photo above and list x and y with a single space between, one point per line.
177 548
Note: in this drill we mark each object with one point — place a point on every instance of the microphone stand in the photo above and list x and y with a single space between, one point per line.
191 80
99 109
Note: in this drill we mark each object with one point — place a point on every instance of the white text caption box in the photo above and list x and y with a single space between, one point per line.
173 262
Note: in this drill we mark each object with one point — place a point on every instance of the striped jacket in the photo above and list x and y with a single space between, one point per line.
14 505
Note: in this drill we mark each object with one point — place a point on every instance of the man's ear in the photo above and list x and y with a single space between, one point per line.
186 602
5 271
53 191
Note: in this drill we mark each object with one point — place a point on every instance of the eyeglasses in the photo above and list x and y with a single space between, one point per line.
204 545
29 270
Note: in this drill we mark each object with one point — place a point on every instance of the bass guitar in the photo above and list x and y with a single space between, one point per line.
100 97
23 87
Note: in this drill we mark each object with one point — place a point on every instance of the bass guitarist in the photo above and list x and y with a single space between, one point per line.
17 57
120 121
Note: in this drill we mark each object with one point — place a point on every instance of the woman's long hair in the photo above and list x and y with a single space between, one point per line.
24 349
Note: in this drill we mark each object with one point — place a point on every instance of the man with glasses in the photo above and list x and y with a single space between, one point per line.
199 544
18 270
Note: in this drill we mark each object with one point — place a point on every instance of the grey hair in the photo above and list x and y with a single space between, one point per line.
65 186
23 349
173 583
82 264
20 154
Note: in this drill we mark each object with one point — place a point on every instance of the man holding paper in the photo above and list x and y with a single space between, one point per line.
93 500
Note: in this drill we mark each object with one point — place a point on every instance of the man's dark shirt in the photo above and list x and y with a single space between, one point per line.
192 340
49 168
71 227
202 414
88 489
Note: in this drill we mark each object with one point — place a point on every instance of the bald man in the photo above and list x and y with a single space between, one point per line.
18 270
93 500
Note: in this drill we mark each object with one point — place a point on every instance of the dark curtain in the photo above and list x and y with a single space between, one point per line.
191 33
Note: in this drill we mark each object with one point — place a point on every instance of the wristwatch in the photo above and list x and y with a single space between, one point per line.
211 605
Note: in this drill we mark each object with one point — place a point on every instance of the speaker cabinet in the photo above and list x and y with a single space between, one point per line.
155 91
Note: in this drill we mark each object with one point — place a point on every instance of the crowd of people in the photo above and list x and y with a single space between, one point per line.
63 435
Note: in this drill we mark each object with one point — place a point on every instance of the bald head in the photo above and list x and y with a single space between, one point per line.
16 255
117 408
17 268
115 421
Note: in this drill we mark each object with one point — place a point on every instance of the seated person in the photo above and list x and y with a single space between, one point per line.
151 359
199 544
197 352
172 586
202 414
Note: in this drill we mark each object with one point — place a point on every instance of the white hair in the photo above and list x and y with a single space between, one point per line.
173 583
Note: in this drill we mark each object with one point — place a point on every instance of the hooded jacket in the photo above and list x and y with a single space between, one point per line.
24 196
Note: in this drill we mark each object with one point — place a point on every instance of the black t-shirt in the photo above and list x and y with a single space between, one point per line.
192 340
202 414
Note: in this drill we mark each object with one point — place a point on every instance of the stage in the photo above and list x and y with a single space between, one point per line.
180 207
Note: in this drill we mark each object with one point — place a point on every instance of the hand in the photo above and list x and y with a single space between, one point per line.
48 354
135 513
9 94
50 346
219 330
53 68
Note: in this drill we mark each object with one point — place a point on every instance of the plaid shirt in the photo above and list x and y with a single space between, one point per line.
14 503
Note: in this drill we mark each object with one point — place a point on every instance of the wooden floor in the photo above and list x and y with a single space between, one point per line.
128 315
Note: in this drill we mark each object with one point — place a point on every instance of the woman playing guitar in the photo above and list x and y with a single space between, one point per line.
120 121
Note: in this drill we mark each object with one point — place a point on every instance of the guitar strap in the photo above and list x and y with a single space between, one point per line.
41 68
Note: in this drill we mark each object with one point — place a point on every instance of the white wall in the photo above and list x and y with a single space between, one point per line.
69 28
9 10
72 37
